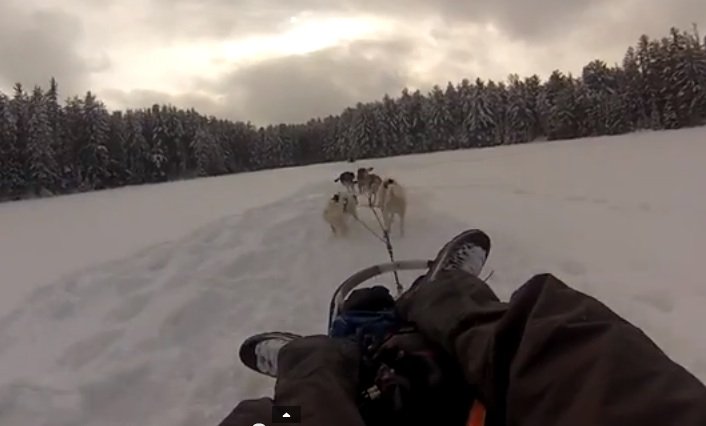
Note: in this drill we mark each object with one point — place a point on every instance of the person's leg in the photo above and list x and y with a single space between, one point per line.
249 413
320 374
317 374
551 354
320 363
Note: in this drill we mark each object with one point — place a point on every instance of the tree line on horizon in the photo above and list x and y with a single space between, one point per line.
47 148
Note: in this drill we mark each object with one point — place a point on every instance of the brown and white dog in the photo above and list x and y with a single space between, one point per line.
339 206
368 183
392 199
347 179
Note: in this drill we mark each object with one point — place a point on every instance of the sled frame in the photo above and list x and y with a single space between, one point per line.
339 296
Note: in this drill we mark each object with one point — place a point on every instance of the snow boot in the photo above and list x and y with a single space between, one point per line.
260 352
467 251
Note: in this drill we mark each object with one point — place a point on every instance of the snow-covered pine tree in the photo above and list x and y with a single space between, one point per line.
646 63
454 105
562 108
479 121
283 146
655 115
226 136
416 118
157 161
670 116
136 149
497 104
116 144
19 105
698 106
632 94
550 105
306 141
598 84
519 115
329 143
42 174
380 130
56 123
12 180
220 156
261 149
466 92
162 168
73 138
533 88
658 74
173 135
598 77
345 144
93 154
362 133
410 119
203 147
616 120
589 110
241 139
388 118
439 119
191 122
687 77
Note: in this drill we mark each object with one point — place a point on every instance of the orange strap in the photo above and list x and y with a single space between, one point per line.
476 417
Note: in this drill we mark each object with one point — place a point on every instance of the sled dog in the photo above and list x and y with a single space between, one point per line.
368 183
392 200
338 207
347 179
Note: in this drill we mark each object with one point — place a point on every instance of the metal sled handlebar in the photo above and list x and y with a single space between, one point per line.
339 296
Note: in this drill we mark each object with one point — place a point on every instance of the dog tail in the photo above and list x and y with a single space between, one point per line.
337 179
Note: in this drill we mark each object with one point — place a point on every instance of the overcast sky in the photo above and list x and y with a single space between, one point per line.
290 60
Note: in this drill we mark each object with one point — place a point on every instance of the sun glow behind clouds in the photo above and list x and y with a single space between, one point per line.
172 68
306 34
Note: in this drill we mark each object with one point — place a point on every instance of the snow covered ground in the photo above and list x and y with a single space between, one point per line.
126 307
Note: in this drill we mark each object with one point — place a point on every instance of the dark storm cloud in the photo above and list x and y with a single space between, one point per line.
37 45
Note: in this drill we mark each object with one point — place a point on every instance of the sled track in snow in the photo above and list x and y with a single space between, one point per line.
136 341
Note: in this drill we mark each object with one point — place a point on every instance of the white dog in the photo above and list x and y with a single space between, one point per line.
392 200
339 206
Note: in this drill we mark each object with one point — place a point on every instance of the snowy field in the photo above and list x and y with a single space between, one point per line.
126 307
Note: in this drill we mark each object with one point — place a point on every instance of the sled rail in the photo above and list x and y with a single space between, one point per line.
339 296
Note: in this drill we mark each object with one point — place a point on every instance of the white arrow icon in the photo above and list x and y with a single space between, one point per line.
286 415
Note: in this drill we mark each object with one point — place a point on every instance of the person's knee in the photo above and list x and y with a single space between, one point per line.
309 354
249 412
